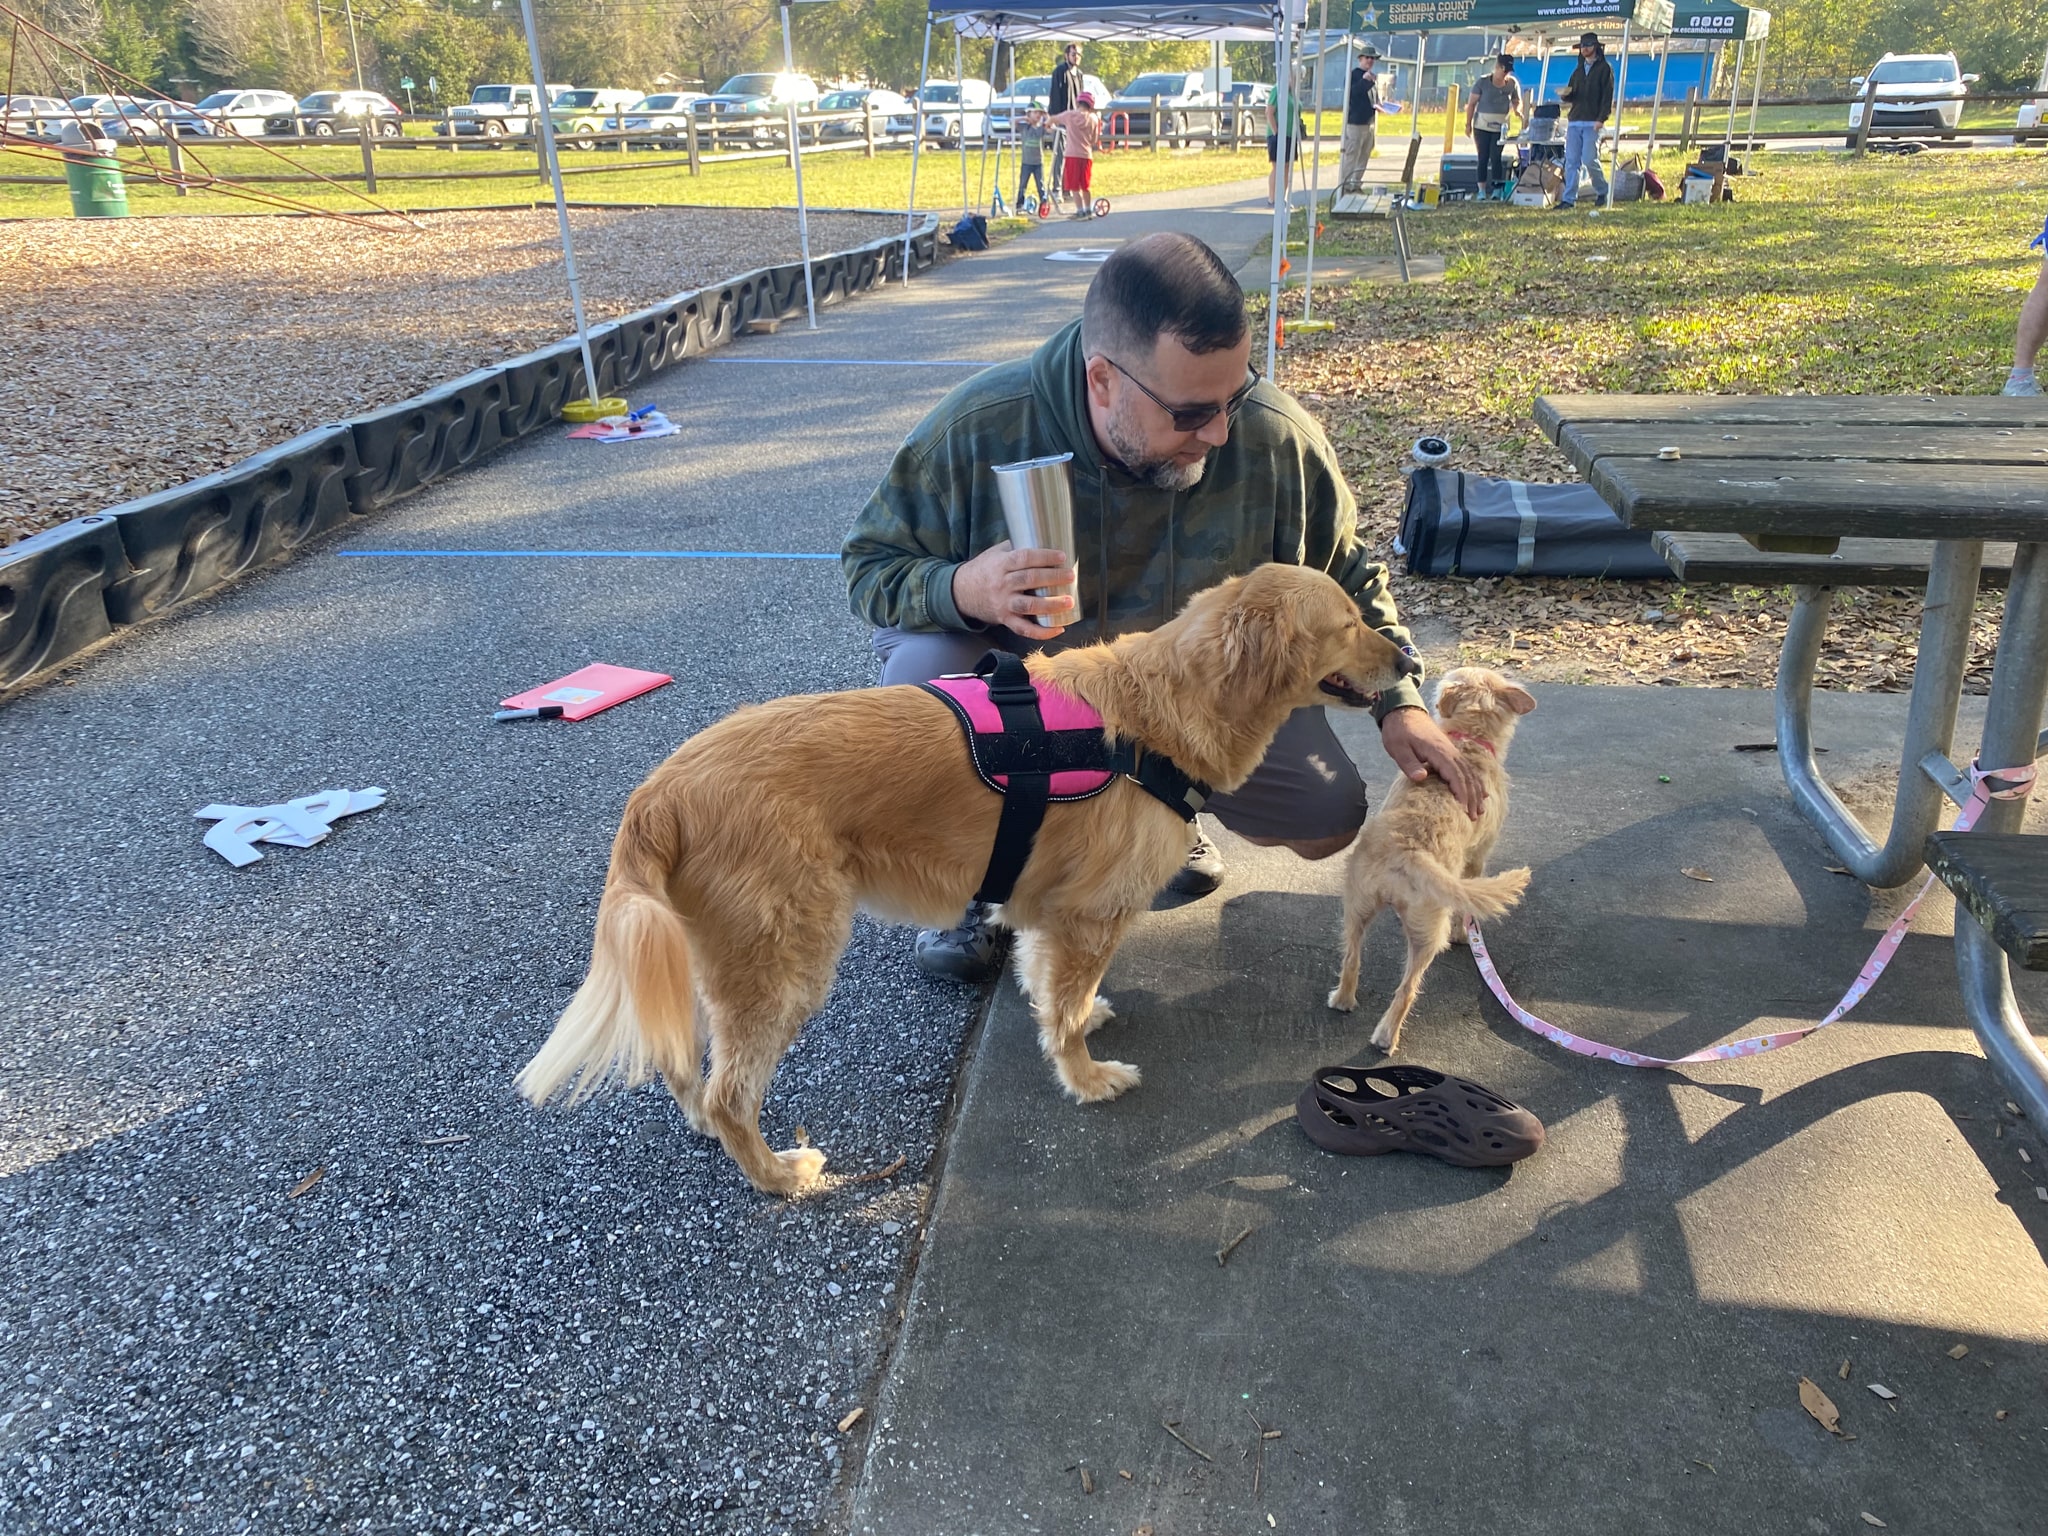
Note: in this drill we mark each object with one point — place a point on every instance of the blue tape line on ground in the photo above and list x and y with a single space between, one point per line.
593 554
861 362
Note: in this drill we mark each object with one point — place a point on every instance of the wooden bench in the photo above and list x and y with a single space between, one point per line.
2001 879
1699 558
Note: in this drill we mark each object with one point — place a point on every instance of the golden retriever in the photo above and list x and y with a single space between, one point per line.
1424 857
741 860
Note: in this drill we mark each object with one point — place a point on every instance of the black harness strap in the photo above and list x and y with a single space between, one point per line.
1011 690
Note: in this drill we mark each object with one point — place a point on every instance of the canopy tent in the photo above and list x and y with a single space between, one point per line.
1425 16
1203 21
1727 21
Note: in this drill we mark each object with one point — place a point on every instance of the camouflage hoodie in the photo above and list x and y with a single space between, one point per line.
1272 492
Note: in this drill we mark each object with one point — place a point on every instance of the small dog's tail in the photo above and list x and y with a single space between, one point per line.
636 1011
1480 896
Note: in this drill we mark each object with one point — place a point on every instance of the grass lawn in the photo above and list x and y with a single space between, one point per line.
1829 275
838 179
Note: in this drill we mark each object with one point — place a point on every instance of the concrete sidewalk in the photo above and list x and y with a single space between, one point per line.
1607 1338
477 1317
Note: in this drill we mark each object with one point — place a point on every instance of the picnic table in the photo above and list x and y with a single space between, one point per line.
1798 475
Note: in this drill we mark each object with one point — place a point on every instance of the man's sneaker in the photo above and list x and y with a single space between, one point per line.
972 951
2027 387
1202 873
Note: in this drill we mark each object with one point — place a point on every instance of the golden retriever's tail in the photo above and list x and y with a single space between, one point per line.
1481 896
636 1011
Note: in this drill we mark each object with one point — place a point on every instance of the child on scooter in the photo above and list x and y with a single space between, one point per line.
1083 127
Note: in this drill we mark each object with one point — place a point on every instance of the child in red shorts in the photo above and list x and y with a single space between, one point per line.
1083 126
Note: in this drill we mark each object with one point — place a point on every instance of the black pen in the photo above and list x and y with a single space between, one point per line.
537 712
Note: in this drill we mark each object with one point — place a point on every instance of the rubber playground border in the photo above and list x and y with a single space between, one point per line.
69 588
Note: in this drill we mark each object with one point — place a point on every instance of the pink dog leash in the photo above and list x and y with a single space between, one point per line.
2015 784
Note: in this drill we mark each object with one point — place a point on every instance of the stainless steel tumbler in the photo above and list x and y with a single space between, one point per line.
1038 506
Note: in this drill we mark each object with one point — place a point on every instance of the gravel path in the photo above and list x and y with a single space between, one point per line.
145 352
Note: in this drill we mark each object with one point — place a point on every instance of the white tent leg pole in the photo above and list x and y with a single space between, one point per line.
960 85
1415 95
995 49
1734 91
1281 129
1543 69
1315 169
1620 96
1756 90
924 71
796 157
1657 97
544 121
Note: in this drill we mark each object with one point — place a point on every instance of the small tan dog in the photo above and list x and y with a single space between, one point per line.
1424 857
739 863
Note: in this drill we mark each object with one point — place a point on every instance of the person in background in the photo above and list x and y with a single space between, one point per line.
1031 155
1083 129
1589 99
1362 108
1281 147
2033 329
1496 97
1066 84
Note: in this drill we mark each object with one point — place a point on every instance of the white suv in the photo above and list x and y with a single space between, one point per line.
247 113
1914 90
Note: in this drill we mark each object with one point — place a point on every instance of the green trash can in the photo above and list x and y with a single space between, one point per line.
98 189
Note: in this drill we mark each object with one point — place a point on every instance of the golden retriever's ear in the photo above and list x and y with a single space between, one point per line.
1263 643
1516 697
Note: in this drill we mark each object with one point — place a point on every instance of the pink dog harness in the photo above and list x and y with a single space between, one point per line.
1033 744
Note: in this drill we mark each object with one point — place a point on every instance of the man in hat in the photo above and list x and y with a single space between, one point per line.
1362 107
1590 96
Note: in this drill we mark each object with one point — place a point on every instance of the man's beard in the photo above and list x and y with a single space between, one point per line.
1166 474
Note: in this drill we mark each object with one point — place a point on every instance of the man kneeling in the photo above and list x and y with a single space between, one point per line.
1187 469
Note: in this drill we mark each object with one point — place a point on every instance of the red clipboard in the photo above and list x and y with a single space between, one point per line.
589 689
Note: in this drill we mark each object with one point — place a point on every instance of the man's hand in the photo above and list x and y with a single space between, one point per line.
1418 746
1000 586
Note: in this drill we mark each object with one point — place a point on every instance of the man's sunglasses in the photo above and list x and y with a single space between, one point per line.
1194 417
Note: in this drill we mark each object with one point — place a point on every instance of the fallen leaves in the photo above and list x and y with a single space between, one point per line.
1821 1406
304 323
1697 874
307 1185
1870 1519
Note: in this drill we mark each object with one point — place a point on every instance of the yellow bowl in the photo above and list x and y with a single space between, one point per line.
583 410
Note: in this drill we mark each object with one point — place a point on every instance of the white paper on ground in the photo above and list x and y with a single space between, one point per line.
296 823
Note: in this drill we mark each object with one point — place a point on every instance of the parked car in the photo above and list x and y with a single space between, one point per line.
187 122
579 115
246 114
947 117
33 117
1914 90
1250 98
493 111
153 122
1176 92
752 107
665 118
1032 91
884 104
326 113
2031 112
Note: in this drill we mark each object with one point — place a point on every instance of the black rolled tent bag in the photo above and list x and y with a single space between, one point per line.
1457 524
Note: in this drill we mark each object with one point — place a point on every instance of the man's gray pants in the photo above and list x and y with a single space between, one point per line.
1307 789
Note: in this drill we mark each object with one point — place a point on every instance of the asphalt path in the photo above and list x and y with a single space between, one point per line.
479 1317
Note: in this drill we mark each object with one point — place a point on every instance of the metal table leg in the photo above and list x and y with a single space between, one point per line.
1930 718
2012 723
